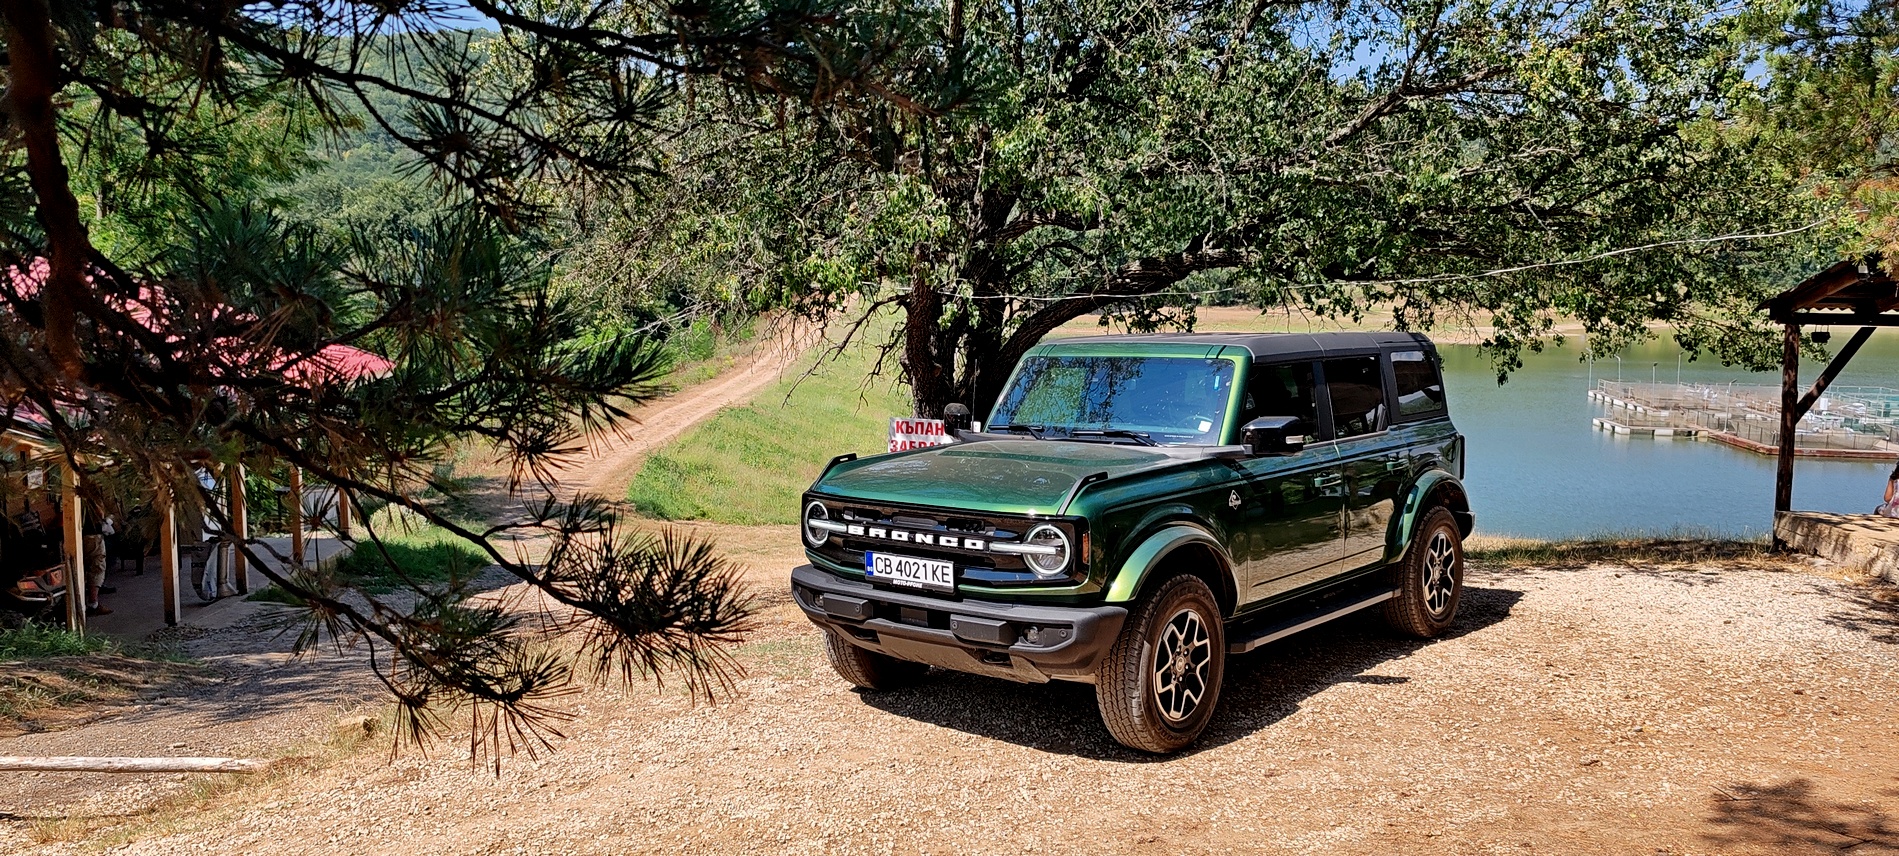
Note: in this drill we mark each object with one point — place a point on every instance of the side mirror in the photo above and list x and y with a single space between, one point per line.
1274 435
956 417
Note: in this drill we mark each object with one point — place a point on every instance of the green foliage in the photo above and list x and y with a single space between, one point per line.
32 640
1461 162
408 551
397 551
207 328
748 464
361 175
137 188
1828 109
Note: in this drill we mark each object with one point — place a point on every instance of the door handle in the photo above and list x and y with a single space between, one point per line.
1328 480
1393 465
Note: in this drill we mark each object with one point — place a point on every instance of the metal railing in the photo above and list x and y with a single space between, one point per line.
1845 418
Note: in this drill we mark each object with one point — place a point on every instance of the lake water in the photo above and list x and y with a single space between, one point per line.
1538 469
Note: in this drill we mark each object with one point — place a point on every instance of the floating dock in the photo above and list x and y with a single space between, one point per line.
1615 427
1850 423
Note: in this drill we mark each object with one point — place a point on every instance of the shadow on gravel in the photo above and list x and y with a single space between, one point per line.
1874 614
1261 688
1790 818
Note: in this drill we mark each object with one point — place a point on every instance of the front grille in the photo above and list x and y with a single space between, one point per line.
962 538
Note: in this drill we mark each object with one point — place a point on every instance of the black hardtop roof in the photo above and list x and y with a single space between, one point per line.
1264 345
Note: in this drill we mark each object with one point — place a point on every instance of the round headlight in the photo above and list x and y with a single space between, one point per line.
1044 562
815 533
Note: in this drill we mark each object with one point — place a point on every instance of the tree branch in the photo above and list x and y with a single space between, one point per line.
1401 95
32 69
1138 278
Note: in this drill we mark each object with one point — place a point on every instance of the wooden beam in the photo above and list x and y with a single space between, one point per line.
75 549
1789 383
1840 319
342 513
1817 288
296 515
1832 371
81 764
168 555
240 530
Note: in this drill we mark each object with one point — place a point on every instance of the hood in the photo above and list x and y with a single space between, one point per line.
1004 476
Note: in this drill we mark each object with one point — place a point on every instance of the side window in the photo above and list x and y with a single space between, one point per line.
1357 389
1420 387
1283 389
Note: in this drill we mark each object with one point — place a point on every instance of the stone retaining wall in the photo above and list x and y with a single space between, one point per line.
1864 541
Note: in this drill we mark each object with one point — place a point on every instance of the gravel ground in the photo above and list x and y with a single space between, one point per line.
1600 708
250 699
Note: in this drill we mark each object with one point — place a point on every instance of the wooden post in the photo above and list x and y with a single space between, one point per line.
1789 418
75 549
1831 371
240 530
342 513
168 554
296 516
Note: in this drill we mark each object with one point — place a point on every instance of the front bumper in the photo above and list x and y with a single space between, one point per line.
1018 642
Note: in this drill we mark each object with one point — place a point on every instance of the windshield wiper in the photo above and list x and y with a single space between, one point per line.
1138 437
1031 430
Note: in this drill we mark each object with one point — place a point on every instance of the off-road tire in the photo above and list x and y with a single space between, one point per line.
1430 578
869 669
1180 617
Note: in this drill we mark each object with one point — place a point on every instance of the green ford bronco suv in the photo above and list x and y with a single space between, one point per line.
1140 507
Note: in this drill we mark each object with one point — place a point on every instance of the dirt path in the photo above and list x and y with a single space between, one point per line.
612 462
1588 708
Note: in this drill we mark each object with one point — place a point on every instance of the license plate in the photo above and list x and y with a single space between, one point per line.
910 572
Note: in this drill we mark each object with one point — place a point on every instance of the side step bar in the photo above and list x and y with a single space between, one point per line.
1288 626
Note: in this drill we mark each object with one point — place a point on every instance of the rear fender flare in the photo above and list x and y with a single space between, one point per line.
1435 487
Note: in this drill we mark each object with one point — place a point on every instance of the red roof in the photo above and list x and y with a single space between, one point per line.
332 362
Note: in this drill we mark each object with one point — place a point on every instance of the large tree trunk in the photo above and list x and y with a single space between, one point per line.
929 368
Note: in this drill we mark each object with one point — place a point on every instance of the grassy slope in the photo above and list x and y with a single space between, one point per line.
423 553
748 464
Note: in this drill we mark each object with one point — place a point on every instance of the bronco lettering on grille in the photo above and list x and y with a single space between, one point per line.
975 544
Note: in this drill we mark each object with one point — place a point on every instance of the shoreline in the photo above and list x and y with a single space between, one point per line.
1245 319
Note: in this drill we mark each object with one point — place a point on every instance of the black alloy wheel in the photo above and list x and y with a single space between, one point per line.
1430 578
1158 686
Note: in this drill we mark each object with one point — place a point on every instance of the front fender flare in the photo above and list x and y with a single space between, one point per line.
1134 571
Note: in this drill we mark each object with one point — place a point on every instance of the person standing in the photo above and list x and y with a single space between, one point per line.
94 553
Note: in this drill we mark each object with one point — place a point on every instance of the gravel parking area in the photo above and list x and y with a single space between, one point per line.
1599 708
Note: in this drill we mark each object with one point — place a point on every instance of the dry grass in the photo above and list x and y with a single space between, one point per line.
55 693
1663 552
209 799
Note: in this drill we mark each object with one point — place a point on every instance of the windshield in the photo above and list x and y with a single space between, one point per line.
1166 400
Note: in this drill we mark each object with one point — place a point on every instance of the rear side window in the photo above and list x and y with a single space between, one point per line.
1420 386
1357 388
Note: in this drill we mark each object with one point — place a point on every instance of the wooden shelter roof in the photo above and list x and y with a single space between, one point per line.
1853 292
